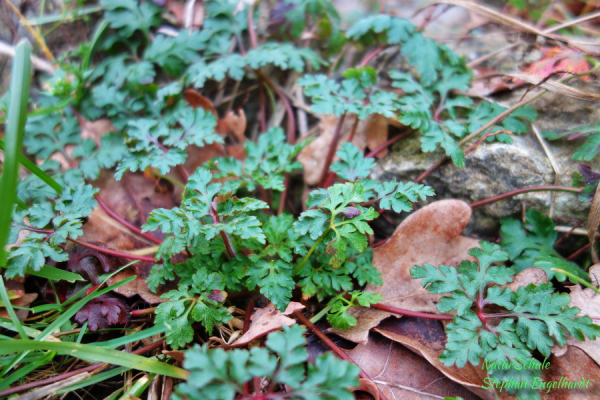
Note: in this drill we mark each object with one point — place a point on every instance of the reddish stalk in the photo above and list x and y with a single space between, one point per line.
332 148
125 223
386 144
215 218
524 190
142 312
58 378
112 252
262 113
249 313
335 348
409 313
578 252
370 56
251 31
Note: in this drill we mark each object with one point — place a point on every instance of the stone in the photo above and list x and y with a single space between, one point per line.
496 168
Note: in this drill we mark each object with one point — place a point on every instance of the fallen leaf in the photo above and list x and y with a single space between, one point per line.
574 366
196 100
559 60
401 374
234 123
430 235
17 298
103 312
268 319
376 131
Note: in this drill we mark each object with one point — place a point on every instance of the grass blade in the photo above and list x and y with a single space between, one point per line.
121 341
15 125
95 354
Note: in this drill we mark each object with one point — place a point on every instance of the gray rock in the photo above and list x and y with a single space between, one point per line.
496 168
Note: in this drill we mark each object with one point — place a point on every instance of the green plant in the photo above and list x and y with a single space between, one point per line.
237 230
524 320
220 375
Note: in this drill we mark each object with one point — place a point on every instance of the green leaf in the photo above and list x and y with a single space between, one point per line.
221 375
127 16
173 54
352 163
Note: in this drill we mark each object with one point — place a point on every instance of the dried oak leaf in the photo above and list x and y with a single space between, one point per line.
266 320
574 366
102 312
559 60
401 374
430 235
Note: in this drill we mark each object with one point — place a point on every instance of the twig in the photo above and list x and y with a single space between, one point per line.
112 252
37 62
332 149
125 223
32 31
50 389
335 348
524 190
490 123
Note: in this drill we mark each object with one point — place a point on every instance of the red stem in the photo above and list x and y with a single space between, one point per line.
339 352
58 378
578 252
409 313
262 114
125 223
112 252
386 144
430 170
524 190
370 56
249 314
332 149
215 218
251 31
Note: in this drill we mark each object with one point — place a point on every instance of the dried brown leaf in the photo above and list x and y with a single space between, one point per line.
268 319
401 374
430 235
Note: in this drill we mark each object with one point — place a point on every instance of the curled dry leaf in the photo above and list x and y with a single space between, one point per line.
266 320
370 133
401 374
430 235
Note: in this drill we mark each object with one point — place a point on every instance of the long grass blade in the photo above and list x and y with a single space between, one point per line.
15 125
95 354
